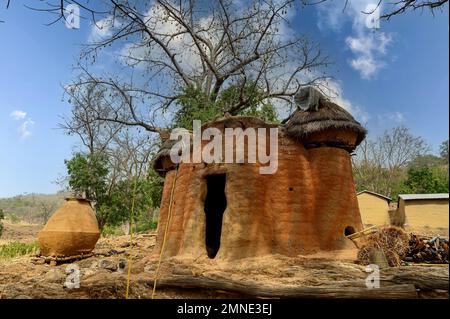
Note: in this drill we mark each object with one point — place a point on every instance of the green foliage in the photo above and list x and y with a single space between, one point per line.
110 230
265 112
425 180
427 161
443 151
16 249
87 175
196 105
146 226
117 202
146 193
13 218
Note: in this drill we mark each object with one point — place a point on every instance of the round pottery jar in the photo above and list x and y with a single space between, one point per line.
72 230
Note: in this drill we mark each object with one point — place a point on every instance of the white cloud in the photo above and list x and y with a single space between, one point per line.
369 50
368 44
391 118
334 91
24 129
101 29
18 115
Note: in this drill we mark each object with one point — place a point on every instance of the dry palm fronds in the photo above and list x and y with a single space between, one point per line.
392 241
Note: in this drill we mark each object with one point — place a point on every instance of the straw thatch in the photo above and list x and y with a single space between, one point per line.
161 161
328 115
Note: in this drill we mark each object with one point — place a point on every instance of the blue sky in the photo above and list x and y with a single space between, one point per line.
395 75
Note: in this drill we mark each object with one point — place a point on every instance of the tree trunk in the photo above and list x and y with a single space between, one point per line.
252 289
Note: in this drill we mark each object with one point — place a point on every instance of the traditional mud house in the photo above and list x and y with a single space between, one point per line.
374 208
426 213
230 210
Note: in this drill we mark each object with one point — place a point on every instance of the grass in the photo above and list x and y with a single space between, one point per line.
17 249
141 227
112 231
13 218
146 226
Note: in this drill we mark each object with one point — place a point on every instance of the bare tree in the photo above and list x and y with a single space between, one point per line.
47 208
208 46
395 7
380 164
8 2
127 149
402 6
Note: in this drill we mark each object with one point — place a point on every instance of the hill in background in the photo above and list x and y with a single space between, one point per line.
32 208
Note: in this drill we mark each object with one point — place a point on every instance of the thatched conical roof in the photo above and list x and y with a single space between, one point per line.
162 158
327 115
161 162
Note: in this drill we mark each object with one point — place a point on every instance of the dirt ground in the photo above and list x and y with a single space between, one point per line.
20 231
105 274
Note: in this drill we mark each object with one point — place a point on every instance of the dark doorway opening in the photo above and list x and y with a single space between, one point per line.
215 205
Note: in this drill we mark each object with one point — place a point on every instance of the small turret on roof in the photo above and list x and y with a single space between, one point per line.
318 115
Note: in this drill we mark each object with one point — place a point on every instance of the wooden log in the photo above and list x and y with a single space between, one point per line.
428 282
252 289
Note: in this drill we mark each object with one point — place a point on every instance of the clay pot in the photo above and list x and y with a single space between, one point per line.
72 230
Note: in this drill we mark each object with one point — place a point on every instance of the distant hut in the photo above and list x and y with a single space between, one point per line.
423 213
374 208
230 210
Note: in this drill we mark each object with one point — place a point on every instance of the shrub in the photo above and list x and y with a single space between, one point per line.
13 218
109 230
2 216
16 249
146 226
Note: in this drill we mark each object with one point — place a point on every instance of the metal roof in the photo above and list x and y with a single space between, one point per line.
376 194
423 196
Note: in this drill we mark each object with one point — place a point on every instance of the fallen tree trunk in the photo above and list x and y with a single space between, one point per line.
429 282
252 289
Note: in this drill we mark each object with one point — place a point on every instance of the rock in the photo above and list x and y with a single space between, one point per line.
88 272
122 265
182 272
107 264
54 275
150 268
38 261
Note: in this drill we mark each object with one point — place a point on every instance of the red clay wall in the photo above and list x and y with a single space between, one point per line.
303 208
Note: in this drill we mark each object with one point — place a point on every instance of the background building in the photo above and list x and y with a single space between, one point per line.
373 208
423 213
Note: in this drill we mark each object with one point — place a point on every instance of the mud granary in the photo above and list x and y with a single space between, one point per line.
229 210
